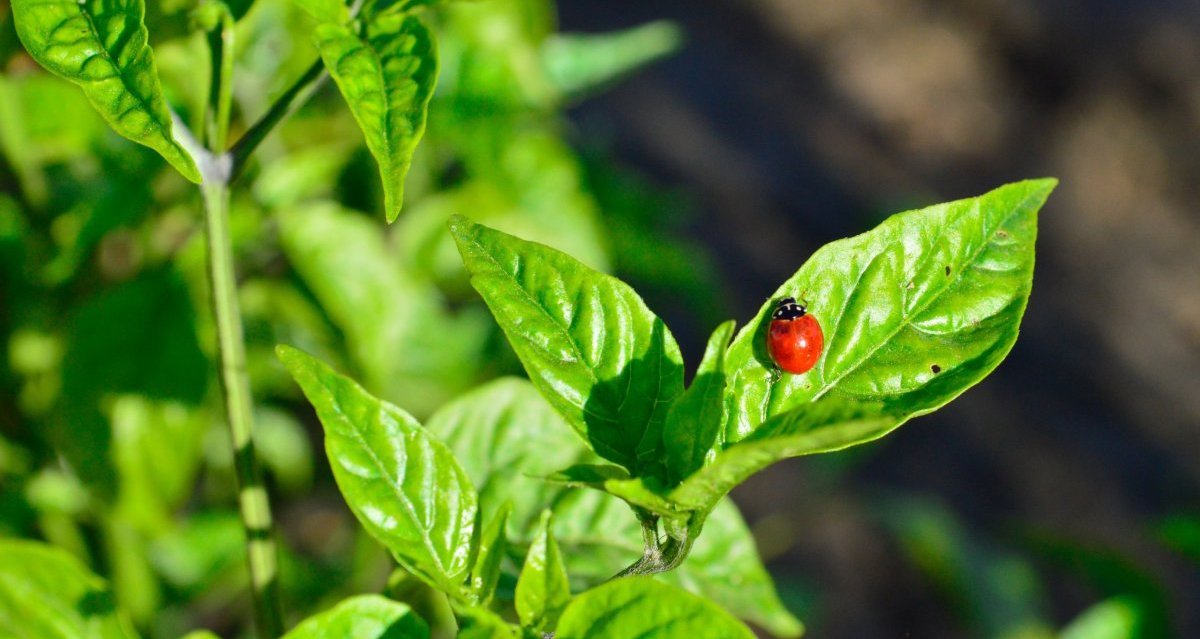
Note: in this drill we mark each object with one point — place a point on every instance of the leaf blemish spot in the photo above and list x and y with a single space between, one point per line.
910 286
936 369
947 270
1001 234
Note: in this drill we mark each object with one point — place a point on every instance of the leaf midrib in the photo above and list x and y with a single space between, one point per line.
404 500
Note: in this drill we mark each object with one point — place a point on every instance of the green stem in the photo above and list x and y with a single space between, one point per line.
235 384
291 99
220 97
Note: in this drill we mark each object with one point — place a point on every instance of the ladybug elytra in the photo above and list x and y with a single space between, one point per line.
794 338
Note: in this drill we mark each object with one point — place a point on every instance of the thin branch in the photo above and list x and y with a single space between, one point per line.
292 99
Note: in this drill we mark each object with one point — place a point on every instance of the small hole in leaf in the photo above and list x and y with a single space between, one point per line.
947 270
909 286
936 369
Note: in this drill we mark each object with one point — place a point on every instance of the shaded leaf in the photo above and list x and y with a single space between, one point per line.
695 419
1117 618
363 617
507 438
930 300
543 589
588 342
403 485
137 338
724 567
576 63
492 545
331 11
387 79
101 45
382 309
48 594
642 607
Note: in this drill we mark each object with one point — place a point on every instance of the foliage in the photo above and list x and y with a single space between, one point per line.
509 505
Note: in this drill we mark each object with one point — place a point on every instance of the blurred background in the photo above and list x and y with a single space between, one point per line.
790 123
702 159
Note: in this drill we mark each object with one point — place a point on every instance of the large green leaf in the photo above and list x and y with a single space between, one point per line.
507 437
101 45
823 426
695 419
402 484
642 607
46 593
387 78
543 589
929 299
403 343
363 617
588 342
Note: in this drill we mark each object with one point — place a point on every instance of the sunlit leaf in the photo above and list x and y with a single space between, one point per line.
820 427
508 438
588 342
387 78
914 312
101 45
363 617
642 607
403 485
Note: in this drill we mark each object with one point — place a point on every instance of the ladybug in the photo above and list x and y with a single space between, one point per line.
794 339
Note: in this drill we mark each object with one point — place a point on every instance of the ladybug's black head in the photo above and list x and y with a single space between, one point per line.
788 309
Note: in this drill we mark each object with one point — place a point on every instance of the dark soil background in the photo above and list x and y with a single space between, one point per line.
792 123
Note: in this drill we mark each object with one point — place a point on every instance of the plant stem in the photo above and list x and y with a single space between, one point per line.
291 99
235 384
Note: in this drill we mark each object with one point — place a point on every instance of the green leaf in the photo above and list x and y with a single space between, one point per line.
1117 618
507 438
331 11
543 589
363 617
46 593
481 623
823 426
404 486
492 545
387 79
382 308
642 607
138 337
101 45
724 567
695 419
588 342
576 63
913 312
157 450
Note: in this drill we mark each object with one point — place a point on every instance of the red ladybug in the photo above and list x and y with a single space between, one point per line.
794 339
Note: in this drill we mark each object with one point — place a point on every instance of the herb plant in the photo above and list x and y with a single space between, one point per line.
587 501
